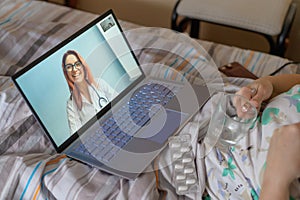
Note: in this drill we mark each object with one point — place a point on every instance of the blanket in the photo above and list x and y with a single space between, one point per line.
30 167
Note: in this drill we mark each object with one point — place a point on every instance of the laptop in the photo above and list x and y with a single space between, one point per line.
96 105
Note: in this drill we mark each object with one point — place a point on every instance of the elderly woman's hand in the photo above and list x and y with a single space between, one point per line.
283 162
257 91
283 155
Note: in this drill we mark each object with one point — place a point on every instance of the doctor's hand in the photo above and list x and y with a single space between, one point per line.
257 91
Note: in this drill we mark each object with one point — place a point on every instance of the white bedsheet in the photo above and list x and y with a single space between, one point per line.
29 166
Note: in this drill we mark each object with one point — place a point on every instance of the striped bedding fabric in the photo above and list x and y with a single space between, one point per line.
29 166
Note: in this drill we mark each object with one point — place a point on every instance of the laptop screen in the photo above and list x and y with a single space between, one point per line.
71 83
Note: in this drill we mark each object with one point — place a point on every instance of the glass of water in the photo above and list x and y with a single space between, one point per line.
231 120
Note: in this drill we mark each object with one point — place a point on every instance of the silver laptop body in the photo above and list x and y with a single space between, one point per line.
144 137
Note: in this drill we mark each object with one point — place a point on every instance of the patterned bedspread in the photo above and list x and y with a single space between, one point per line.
31 169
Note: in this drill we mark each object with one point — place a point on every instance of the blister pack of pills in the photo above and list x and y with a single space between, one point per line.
184 170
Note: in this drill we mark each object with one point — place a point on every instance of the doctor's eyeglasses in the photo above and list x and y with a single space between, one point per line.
70 67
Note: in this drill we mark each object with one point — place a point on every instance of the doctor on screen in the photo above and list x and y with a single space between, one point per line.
87 96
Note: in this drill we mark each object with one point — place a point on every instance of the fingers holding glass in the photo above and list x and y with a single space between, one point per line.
233 117
243 107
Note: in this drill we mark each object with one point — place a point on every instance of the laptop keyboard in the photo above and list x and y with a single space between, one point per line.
115 132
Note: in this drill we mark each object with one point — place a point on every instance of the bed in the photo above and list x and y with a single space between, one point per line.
30 167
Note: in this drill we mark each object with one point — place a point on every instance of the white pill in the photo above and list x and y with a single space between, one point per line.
190 181
180 177
179 166
188 170
184 149
187 160
177 155
182 188
175 144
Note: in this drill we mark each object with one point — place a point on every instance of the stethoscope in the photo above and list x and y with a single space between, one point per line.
102 101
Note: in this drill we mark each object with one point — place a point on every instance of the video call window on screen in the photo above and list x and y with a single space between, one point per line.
103 48
107 24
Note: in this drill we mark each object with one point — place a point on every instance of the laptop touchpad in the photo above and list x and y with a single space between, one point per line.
162 125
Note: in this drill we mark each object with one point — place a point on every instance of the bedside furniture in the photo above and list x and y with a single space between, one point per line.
270 18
